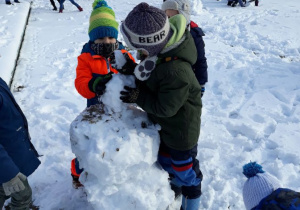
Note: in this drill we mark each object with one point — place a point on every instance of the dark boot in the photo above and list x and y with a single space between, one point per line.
16 1
75 182
80 9
177 190
60 11
229 3
256 2
234 4
8 3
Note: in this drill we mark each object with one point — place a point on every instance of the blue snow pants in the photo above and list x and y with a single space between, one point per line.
183 168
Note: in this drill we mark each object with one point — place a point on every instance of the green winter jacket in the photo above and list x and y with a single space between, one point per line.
172 96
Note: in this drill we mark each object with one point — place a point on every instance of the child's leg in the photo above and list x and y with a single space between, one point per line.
75 173
53 4
75 170
61 4
74 3
187 174
241 3
186 170
164 158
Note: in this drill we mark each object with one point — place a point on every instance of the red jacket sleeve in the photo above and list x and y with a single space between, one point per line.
83 76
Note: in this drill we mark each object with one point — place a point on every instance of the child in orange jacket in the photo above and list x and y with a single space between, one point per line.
94 68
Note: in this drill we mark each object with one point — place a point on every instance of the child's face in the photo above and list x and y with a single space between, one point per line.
171 12
106 40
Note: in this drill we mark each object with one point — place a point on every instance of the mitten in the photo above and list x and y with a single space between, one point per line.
144 68
98 84
130 95
202 90
128 67
14 185
112 59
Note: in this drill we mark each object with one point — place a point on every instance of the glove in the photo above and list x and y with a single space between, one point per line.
128 67
98 84
15 184
202 90
130 95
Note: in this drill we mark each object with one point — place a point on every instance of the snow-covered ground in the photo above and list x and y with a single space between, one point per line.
251 106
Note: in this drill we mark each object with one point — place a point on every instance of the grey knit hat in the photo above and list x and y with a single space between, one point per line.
183 7
259 185
146 27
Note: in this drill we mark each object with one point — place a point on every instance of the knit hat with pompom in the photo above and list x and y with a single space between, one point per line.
259 185
146 27
102 21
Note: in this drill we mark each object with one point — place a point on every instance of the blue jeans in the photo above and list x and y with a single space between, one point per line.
61 6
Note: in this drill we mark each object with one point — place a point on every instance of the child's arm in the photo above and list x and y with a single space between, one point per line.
83 77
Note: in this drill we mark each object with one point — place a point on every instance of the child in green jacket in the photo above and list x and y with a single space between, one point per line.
169 92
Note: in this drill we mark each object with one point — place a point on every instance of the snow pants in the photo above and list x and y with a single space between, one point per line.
20 200
75 170
183 168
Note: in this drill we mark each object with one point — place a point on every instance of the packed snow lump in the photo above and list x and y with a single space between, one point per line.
117 146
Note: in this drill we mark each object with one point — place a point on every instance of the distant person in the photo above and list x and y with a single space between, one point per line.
18 157
168 91
9 3
61 7
94 68
256 2
174 7
234 3
53 4
262 191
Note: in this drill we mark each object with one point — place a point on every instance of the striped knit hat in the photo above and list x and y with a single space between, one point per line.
102 21
258 186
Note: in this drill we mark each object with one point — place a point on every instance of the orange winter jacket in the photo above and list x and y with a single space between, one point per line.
90 66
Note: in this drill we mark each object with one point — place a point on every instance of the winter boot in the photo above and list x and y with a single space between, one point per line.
190 204
229 3
234 4
60 11
16 1
8 3
75 182
55 8
80 9
177 190
256 2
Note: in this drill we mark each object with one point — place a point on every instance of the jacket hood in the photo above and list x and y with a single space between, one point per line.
181 44
185 49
